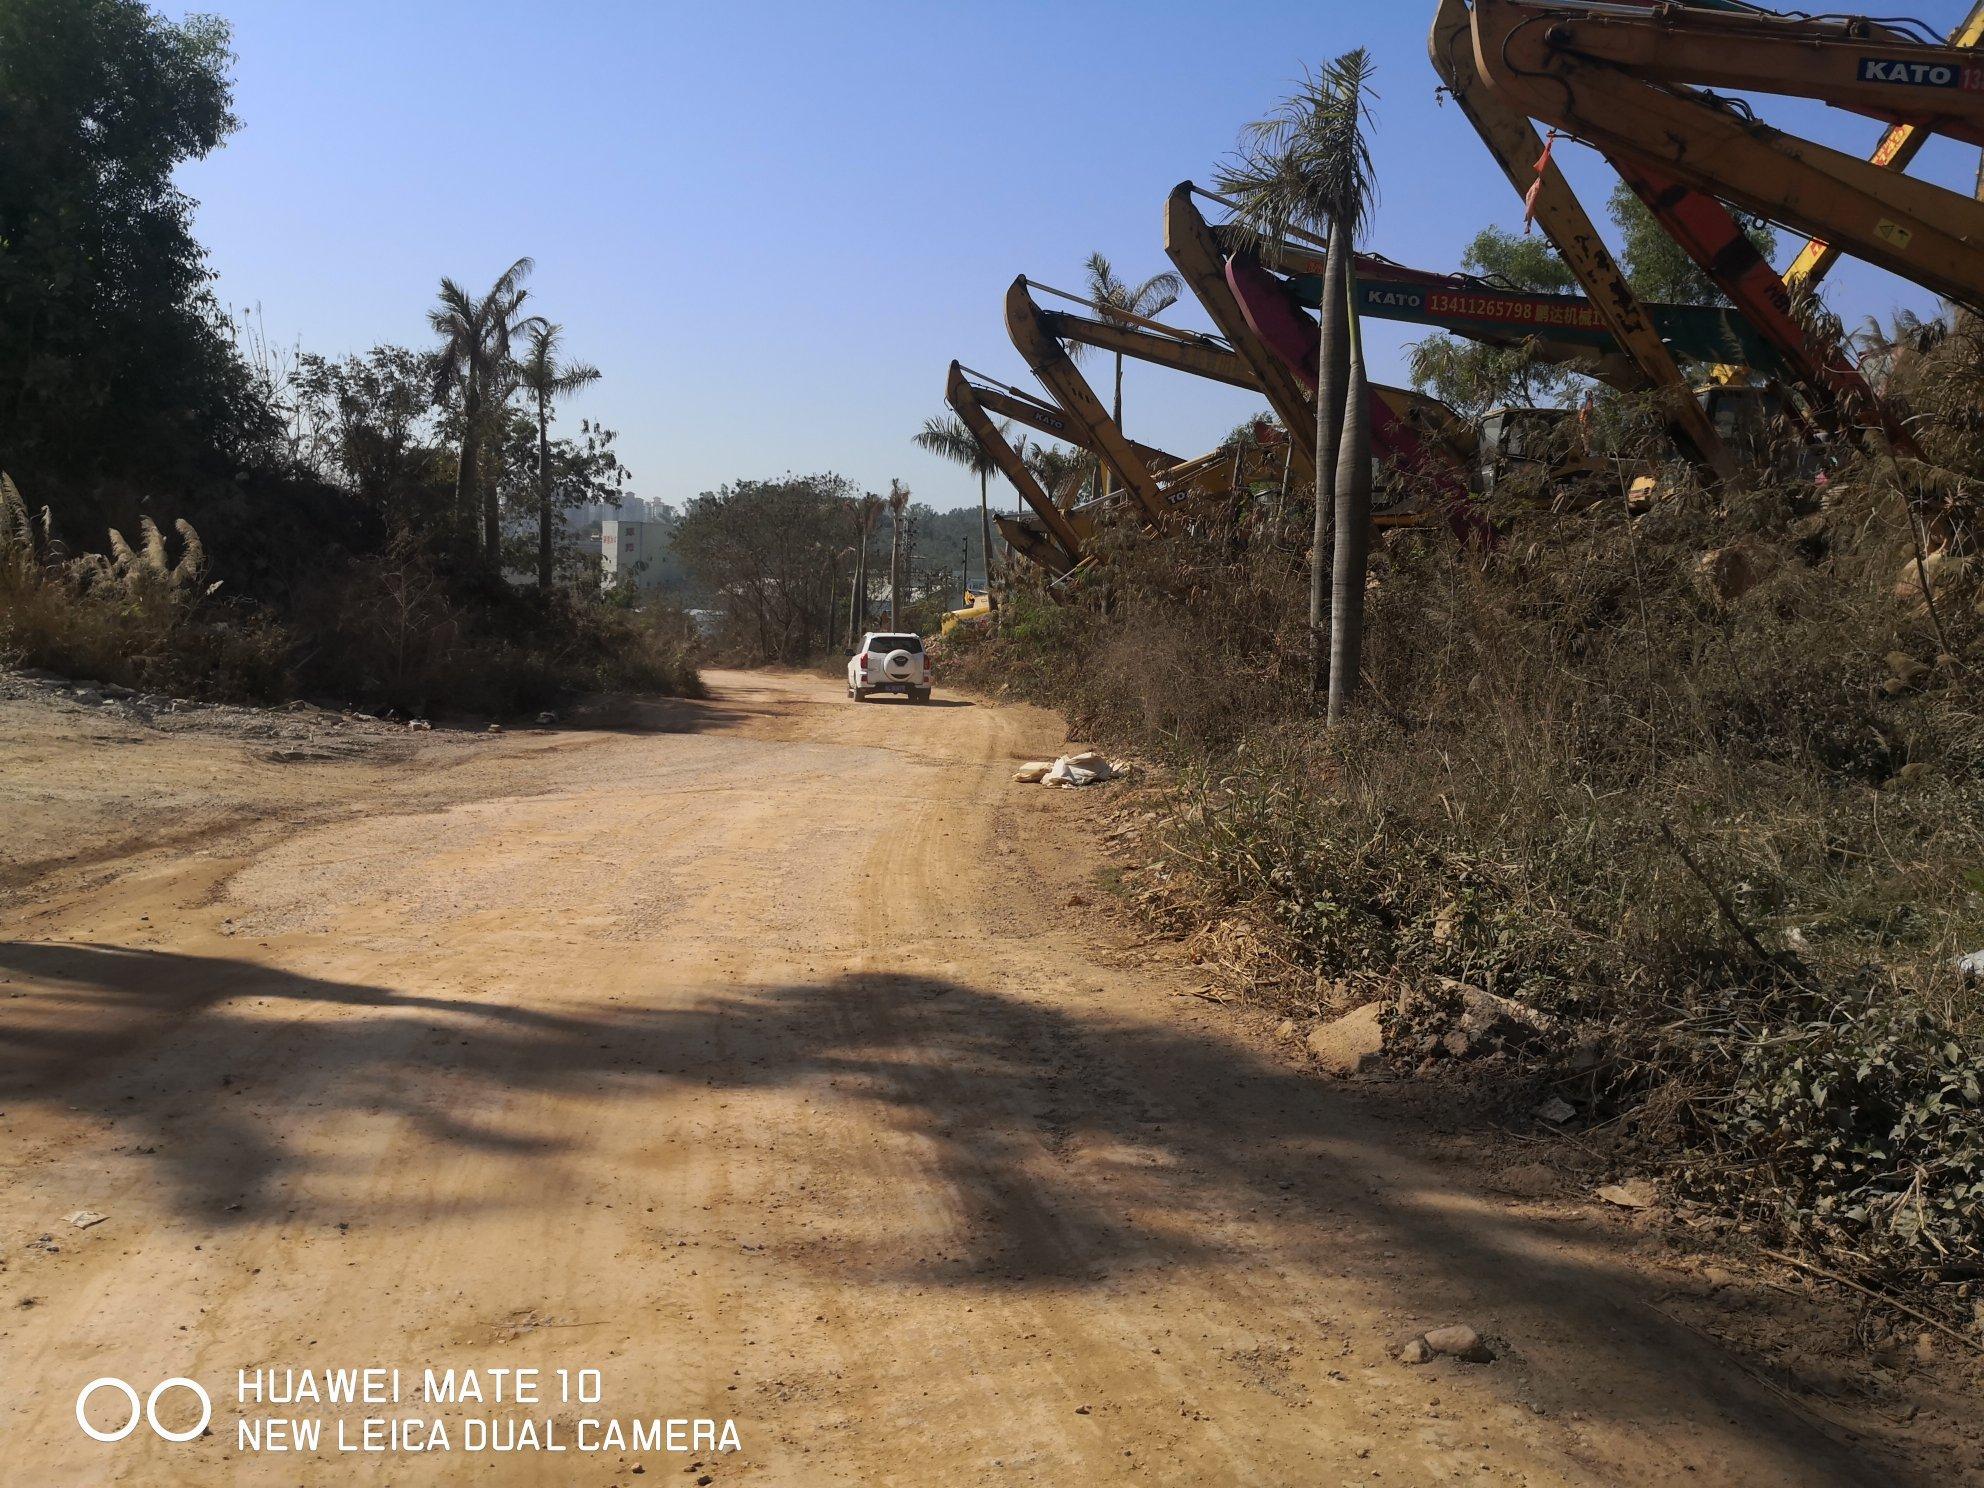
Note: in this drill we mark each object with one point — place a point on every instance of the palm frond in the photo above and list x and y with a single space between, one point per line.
540 371
572 378
1156 294
1103 285
950 437
507 282
1307 166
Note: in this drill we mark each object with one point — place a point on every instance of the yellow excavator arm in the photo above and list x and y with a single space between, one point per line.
1097 430
963 397
1044 418
1846 62
1899 146
1189 244
1163 346
1179 483
1918 230
1517 148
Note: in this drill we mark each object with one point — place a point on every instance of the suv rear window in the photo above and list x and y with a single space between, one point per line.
882 645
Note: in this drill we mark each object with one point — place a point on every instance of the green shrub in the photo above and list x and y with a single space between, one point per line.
1860 1128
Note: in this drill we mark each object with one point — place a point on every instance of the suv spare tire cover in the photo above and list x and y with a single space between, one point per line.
897 664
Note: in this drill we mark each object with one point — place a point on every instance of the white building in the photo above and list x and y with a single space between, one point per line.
630 509
625 546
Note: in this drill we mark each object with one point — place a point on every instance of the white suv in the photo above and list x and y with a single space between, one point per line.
889 662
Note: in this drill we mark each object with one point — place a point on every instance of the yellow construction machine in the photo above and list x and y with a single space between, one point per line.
1632 81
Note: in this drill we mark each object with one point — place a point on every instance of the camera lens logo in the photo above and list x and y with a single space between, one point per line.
149 1410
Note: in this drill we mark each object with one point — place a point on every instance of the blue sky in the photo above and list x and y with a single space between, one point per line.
773 225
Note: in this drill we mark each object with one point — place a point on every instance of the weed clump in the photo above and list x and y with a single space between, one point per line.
1698 783
385 630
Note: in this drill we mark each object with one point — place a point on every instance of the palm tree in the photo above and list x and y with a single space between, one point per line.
866 509
1058 467
545 377
947 435
898 514
868 506
1115 300
1307 167
475 334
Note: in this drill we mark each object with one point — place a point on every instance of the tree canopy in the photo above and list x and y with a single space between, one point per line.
1474 377
115 360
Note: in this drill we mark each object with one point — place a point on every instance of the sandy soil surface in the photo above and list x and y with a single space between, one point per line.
773 1057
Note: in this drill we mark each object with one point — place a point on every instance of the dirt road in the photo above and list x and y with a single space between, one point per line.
748 1055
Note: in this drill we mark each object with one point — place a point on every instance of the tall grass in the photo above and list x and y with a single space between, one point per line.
386 631
1705 783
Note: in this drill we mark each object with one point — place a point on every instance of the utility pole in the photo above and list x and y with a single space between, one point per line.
964 571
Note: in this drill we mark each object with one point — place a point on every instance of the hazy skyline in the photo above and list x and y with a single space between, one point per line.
772 226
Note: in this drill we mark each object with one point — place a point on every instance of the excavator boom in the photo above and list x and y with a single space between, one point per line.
1563 327
963 396
1189 244
1408 429
1520 151
1037 548
1044 418
1716 241
1199 356
1899 145
1913 228
1849 63
1418 434
1026 325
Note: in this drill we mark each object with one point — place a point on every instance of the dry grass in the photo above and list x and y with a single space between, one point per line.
1731 841
386 631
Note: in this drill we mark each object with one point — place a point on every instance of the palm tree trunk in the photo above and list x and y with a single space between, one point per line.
492 517
1353 526
985 534
853 598
895 570
543 496
1332 369
466 469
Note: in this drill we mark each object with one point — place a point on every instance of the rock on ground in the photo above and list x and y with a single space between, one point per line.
1458 1341
1351 1044
1634 1193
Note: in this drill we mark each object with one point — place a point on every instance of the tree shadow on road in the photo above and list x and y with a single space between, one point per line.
1076 1150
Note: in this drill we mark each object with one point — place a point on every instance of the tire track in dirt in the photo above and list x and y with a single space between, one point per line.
742 1053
